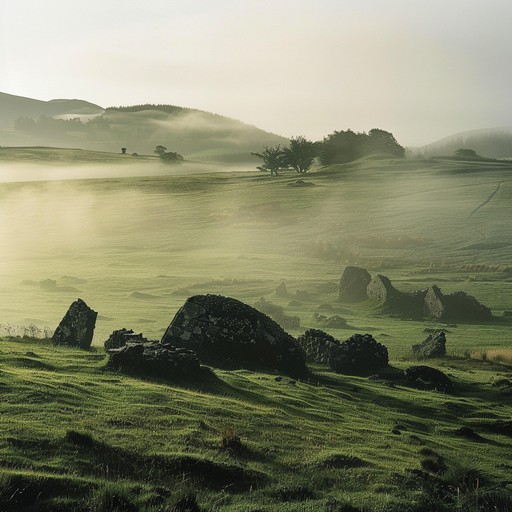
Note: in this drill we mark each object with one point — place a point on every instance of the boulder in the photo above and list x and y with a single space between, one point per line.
76 329
381 290
226 331
360 354
121 337
426 377
434 345
353 284
154 360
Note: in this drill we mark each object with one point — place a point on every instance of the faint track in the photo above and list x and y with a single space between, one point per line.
481 205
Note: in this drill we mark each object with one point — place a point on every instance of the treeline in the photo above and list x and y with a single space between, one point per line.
337 148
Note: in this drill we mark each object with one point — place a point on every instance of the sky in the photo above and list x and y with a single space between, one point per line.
420 69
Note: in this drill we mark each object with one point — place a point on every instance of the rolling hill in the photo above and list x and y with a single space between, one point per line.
75 123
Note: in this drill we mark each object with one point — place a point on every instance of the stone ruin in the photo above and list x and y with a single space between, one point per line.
434 345
76 329
226 331
123 336
160 360
358 355
428 303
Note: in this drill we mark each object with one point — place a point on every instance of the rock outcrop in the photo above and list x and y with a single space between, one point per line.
226 331
76 329
353 284
434 345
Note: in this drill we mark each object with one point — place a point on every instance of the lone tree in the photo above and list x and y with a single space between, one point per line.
301 154
273 159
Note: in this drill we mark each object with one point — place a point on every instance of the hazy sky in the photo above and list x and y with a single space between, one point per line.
421 69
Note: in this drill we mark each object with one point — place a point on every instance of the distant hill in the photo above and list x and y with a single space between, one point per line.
490 142
75 123
12 107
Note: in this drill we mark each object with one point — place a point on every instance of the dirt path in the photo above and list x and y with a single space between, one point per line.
481 205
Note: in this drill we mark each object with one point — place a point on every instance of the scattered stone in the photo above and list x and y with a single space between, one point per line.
294 303
77 327
396 432
333 322
225 330
32 354
434 345
154 360
278 379
121 337
281 290
430 378
353 284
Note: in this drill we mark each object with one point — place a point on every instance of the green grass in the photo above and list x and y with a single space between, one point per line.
135 248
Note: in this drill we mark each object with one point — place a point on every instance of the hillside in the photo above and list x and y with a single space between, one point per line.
80 437
489 143
69 123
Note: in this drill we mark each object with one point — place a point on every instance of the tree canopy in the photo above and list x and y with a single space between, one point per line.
346 146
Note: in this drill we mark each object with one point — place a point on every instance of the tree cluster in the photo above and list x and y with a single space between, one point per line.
337 148
346 146
299 156
168 156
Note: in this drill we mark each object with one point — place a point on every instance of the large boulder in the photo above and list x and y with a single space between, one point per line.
154 360
381 290
353 284
76 329
426 377
434 345
225 330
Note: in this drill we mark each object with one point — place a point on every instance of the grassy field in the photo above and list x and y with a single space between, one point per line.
135 248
